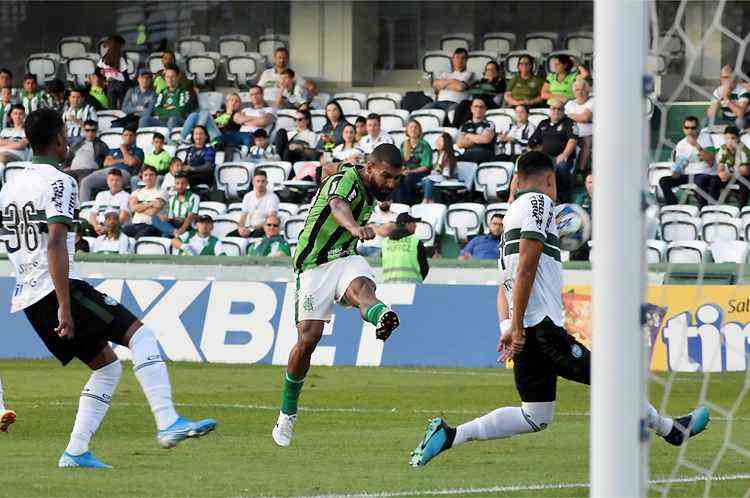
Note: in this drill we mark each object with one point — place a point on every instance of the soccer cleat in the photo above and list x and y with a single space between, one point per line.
183 429
84 460
284 429
387 323
7 419
438 438
690 425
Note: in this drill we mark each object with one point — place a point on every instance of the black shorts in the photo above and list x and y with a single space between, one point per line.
549 351
97 318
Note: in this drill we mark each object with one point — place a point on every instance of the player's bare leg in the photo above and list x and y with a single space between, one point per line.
361 293
7 417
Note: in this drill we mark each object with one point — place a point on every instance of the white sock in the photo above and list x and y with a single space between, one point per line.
661 425
151 372
506 422
93 405
2 403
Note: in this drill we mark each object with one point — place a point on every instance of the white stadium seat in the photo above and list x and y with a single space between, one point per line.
694 251
449 42
203 68
277 172
351 102
492 209
536 118
144 137
285 119
293 226
498 42
729 251
436 62
398 137
493 177
477 60
430 119
234 177
232 45
721 230
464 219
657 171
500 118
192 45
210 101
398 208
719 212
656 251
112 137
431 136
104 118
320 100
286 210
318 119
270 42
511 61
433 218
394 119
678 212
212 208
73 46
581 42
383 102
43 65
234 246
681 230
541 41
303 209
13 169
79 69
224 224
242 69
160 246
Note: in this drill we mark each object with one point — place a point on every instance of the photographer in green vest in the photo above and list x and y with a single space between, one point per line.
404 255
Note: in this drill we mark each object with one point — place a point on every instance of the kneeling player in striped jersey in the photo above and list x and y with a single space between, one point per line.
7 417
329 269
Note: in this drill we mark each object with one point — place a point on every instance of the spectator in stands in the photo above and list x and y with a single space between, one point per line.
733 165
525 88
257 205
262 150
585 199
375 136
332 133
581 111
31 98
443 168
555 136
113 200
97 93
171 106
158 157
199 242
291 94
86 155
559 84
139 100
273 243
477 136
694 149
6 102
13 143
54 95
417 156
6 81
515 140
485 246
76 113
732 98
381 215
114 68
298 144
360 128
200 159
257 115
490 89
182 209
270 77
347 150
404 255
212 124
112 240
168 59
81 244
145 204
168 181
451 87
128 158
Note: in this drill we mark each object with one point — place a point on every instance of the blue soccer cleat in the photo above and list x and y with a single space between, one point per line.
438 438
84 460
183 429
688 426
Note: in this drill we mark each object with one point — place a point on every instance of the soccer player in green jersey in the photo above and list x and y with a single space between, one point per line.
328 268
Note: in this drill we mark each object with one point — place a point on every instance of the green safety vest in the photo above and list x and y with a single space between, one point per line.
401 260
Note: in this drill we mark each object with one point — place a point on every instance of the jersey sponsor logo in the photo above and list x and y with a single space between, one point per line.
537 210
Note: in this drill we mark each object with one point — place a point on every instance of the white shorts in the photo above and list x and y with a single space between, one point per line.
318 288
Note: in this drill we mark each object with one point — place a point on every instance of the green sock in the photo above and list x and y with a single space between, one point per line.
290 396
374 312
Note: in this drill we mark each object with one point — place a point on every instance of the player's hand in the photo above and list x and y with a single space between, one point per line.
512 343
363 233
65 328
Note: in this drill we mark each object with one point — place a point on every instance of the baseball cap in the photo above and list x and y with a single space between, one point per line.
145 71
204 218
404 218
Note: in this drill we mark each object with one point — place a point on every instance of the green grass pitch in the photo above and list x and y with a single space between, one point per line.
354 435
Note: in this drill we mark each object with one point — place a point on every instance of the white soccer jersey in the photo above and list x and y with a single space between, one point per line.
42 194
532 216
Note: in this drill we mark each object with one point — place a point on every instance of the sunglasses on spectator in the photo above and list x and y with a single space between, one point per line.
89 130
272 224
299 119
690 127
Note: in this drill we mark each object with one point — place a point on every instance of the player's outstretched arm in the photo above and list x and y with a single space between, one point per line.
58 262
342 214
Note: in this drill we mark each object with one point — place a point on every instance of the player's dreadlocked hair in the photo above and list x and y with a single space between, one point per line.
532 163
42 127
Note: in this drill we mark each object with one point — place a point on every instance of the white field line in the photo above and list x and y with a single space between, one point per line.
521 487
321 409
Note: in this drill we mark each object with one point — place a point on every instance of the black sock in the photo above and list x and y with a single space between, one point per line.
451 436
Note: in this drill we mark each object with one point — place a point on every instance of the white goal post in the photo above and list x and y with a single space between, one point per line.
618 368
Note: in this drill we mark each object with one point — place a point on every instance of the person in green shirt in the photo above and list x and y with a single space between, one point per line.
31 98
559 84
158 157
168 58
584 199
525 87
417 155
273 243
404 255
97 94
171 104
199 242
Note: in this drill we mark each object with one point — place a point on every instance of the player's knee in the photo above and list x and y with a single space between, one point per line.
539 415
309 338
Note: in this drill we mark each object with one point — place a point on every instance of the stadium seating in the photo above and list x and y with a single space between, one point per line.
720 212
678 212
498 42
73 46
436 62
234 246
464 219
203 68
293 226
581 42
210 101
318 119
112 137
235 177
159 246
501 118
430 119
233 45
270 42
511 61
224 224
721 230
277 172
576 56
242 69
393 120
656 251
541 41
493 177
192 45
43 65
729 251
433 218
398 137
681 229
212 208
351 102
656 171
383 102
79 69
477 60
105 118
492 209
144 137
695 251
286 210
431 136
303 209
84 209
449 42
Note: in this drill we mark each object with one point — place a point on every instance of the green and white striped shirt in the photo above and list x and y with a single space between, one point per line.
181 208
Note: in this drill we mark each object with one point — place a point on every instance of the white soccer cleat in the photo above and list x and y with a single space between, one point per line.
284 429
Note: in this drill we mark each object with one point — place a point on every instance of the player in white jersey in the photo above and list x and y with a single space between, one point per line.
73 319
531 310
7 417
